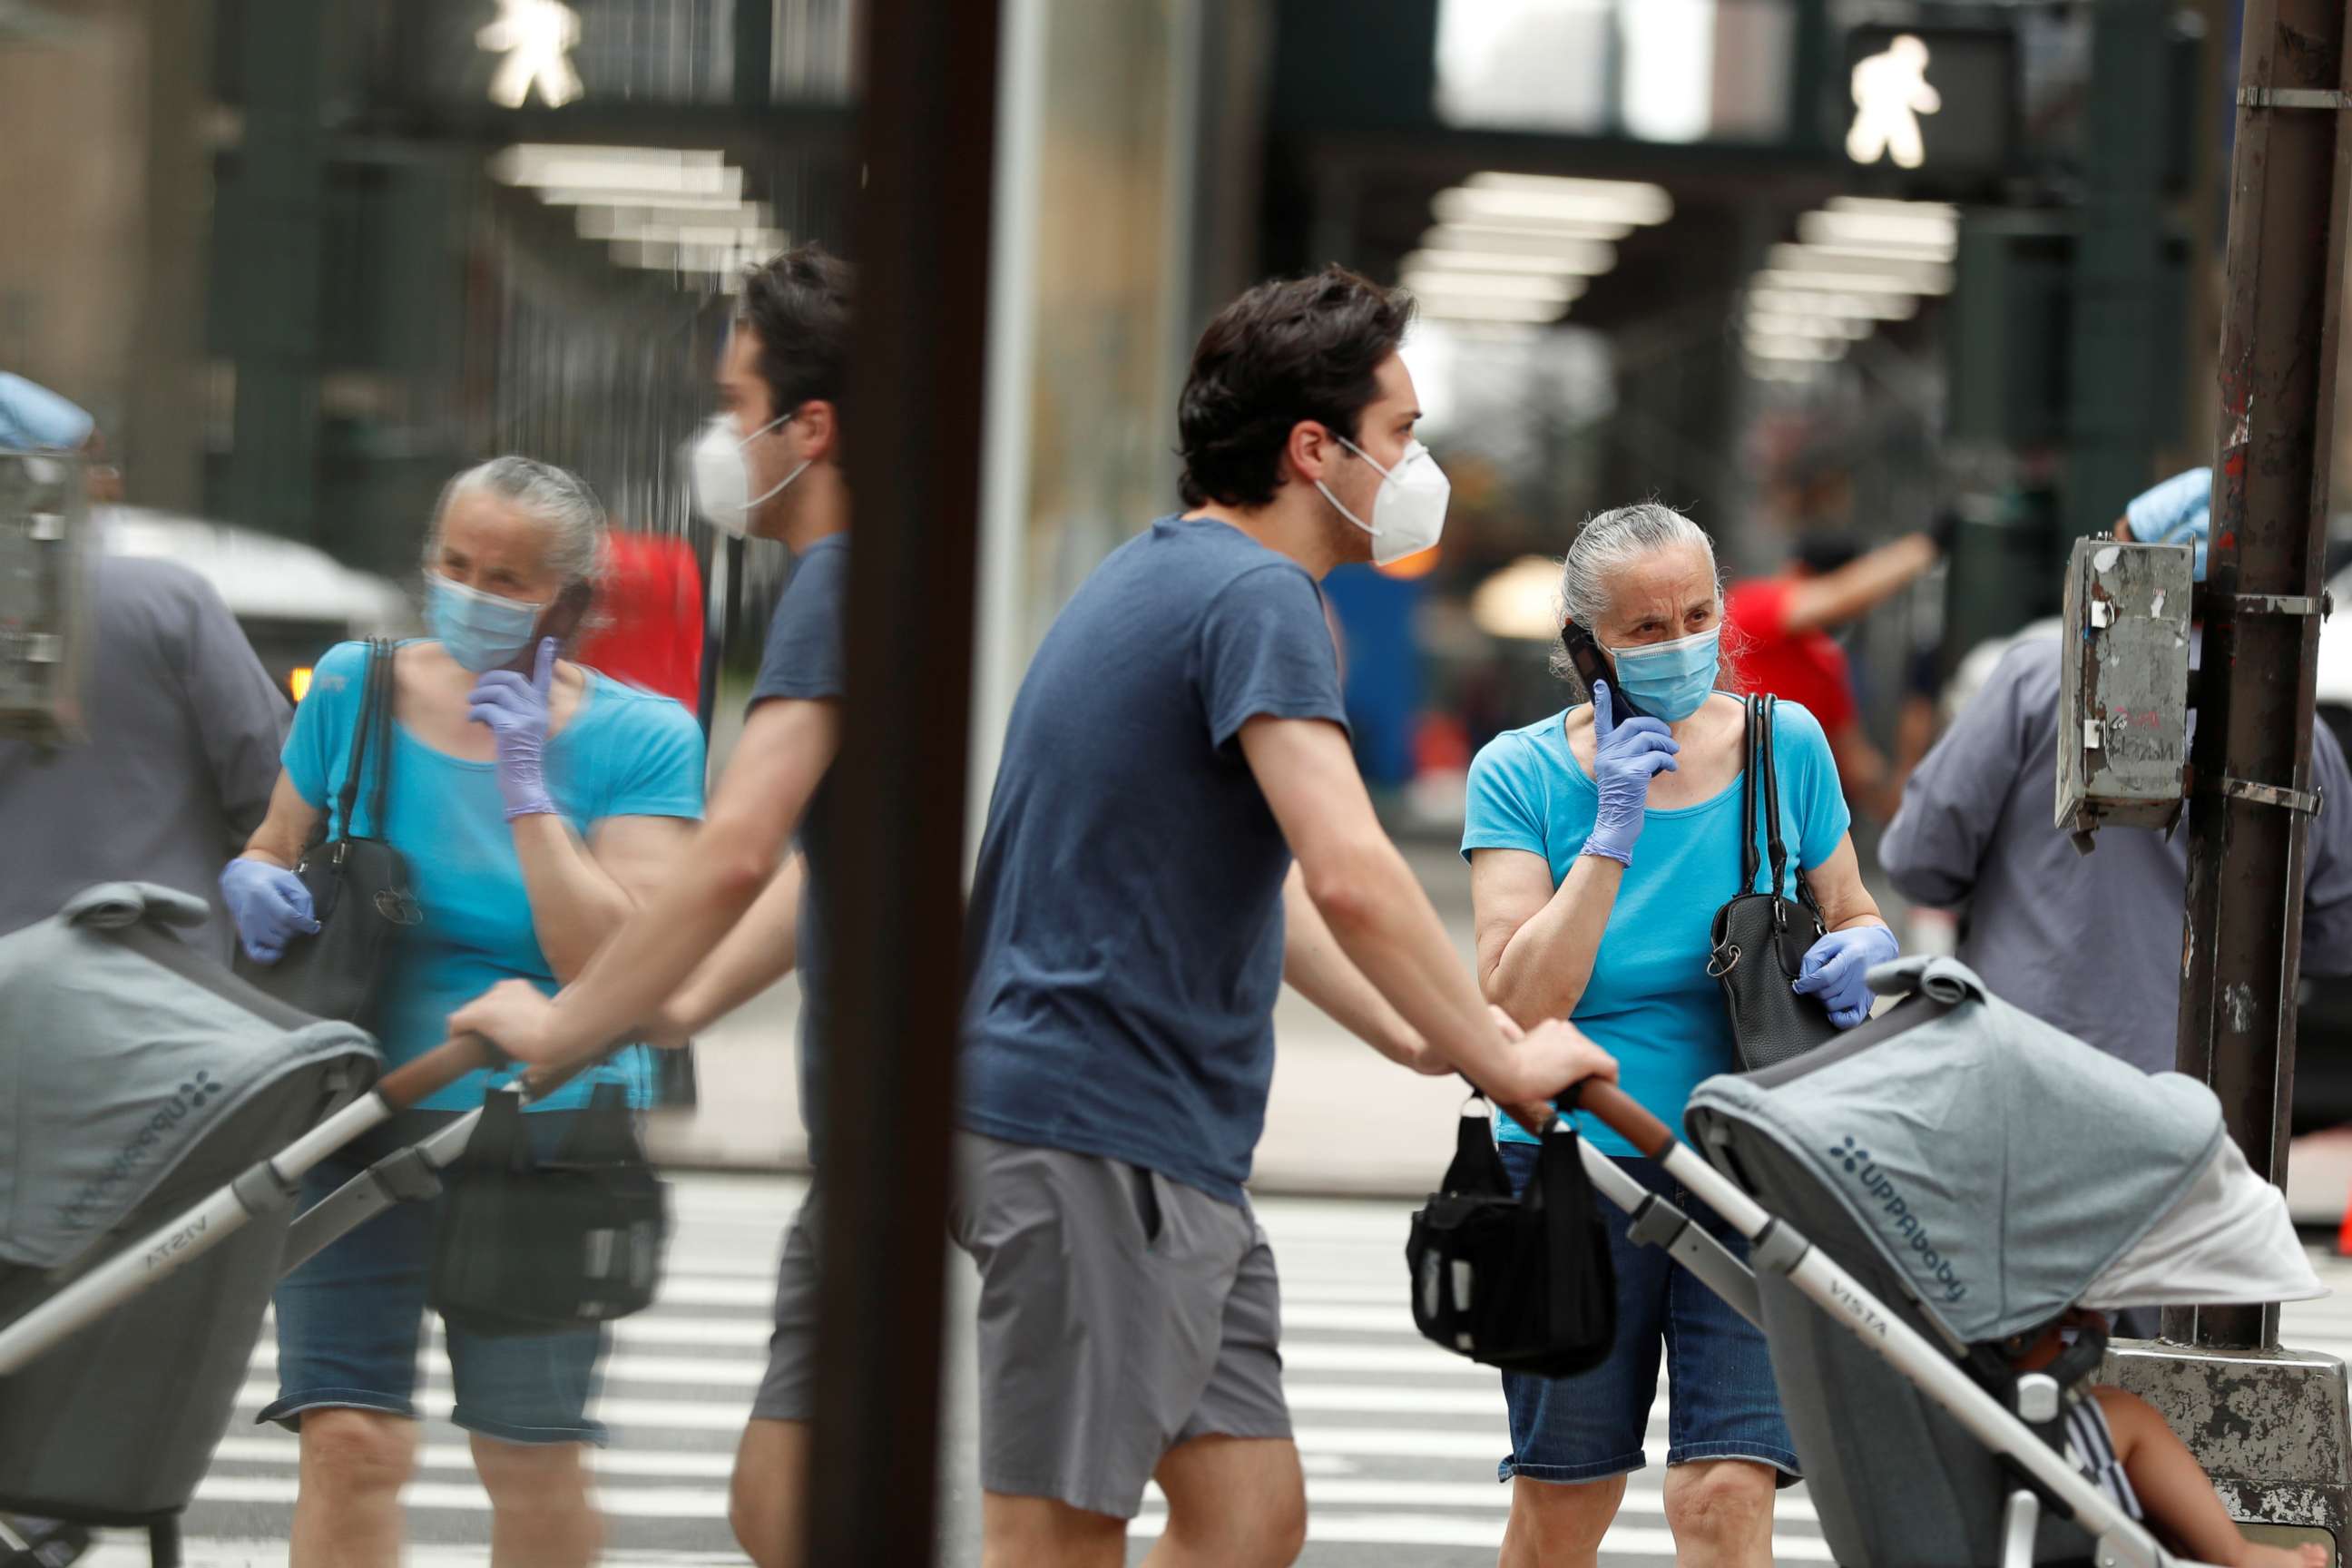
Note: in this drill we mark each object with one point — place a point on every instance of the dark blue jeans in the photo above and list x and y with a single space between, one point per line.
1721 1400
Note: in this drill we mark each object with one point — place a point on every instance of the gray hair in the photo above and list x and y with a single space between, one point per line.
556 497
1606 545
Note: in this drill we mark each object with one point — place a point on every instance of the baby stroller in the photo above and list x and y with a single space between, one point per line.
1949 1174
140 1237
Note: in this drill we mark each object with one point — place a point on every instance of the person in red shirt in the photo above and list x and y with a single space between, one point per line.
647 628
1777 639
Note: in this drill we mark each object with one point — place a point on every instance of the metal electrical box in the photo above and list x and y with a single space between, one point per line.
2122 691
44 551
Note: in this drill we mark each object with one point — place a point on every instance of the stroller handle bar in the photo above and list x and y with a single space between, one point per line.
452 1058
268 1185
1618 1111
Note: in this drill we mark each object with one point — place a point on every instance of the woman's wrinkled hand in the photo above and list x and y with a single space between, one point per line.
516 712
1837 969
269 906
1625 757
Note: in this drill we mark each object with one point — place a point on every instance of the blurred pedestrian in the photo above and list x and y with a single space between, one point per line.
647 627
1177 739
1780 634
181 723
733 913
1599 849
536 803
2090 944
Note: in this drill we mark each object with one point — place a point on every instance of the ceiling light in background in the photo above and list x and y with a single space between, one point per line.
1828 327
1767 345
1523 239
1824 302
1914 276
1545 198
1583 258
1521 602
1526 236
657 207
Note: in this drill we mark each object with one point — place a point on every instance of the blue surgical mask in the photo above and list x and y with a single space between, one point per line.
1670 679
480 631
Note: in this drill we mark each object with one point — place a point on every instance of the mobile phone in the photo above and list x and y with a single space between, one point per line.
560 620
1593 665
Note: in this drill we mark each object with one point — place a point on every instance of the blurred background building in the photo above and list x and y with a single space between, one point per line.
1793 265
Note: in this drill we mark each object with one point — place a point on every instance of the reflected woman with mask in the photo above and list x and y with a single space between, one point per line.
1600 843
535 801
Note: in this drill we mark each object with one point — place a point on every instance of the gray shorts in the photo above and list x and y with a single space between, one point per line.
788 1392
1120 1313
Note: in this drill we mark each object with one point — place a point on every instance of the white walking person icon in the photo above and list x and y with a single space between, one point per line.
537 38
1890 94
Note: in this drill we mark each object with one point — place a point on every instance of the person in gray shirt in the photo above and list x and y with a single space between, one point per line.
183 723
2090 944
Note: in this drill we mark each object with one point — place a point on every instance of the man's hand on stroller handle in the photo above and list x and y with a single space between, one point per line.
1552 1057
518 1019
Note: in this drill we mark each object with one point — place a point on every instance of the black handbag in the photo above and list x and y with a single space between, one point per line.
539 1245
1760 938
359 887
1521 1282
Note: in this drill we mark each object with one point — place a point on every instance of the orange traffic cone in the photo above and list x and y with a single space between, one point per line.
2343 1233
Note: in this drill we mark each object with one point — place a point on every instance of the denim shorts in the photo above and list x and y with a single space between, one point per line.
350 1322
1720 1397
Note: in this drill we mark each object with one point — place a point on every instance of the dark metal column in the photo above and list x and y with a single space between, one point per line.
927 130
2123 318
2253 692
271 244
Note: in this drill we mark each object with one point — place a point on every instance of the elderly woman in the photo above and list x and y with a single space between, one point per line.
1599 849
533 811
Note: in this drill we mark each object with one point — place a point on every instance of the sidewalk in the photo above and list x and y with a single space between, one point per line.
1342 1119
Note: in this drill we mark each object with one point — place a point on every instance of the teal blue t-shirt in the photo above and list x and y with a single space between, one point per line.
1651 1003
624 753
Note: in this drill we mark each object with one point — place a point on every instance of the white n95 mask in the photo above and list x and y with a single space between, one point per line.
1409 512
723 476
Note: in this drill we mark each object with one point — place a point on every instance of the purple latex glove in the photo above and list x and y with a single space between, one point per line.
1837 967
270 904
516 712
1626 758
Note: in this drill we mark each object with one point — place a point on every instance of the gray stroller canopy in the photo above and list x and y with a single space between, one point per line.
2002 1166
113 1067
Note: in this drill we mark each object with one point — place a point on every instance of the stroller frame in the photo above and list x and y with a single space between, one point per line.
1777 1246
272 1185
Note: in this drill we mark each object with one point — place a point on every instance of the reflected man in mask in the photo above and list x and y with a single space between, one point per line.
730 921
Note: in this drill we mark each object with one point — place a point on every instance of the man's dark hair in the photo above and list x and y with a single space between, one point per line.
799 304
1302 349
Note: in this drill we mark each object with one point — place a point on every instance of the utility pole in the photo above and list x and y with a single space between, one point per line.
2250 766
2270 1426
918 387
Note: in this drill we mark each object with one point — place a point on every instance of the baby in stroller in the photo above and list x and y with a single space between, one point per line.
2122 1445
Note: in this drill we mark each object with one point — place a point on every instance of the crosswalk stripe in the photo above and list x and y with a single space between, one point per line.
1399 1439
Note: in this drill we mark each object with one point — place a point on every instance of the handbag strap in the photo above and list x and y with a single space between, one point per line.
1748 858
381 698
1772 816
1477 1167
348 796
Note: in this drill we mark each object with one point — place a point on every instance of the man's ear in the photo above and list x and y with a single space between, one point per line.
1310 452
820 425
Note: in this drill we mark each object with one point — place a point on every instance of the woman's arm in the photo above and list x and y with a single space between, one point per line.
580 895
285 828
1837 883
1536 942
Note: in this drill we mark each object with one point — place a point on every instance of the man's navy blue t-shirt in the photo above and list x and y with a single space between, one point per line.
1126 918
805 658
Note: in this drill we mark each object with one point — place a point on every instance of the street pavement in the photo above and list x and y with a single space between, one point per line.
1399 1439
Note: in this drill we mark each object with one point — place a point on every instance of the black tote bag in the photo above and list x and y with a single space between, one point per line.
1520 1282
539 1245
359 886
1760 938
